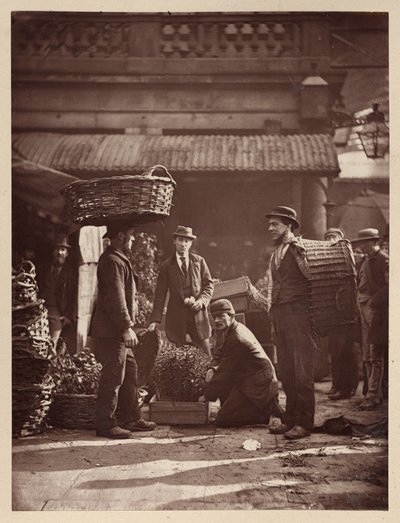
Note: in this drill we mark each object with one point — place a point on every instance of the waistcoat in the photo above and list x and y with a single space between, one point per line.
186 284
289 284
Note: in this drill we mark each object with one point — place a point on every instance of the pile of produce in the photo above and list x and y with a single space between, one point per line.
145 261
77 374
179 372
76 384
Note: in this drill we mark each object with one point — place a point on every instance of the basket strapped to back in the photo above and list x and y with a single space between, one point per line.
332 284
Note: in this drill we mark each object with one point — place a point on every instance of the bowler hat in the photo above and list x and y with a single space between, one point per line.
220 306
284 212
115 227
61 240
185 232
334 231
366 234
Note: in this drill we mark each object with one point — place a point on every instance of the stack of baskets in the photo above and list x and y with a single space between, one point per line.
139 199
32 351
332 284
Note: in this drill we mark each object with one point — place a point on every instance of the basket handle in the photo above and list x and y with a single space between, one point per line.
27 276
151 170
28 267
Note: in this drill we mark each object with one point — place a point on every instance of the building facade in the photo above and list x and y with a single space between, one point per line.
236 106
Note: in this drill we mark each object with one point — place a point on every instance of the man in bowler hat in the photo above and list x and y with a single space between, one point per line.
288 301
372 284
58 286
187 279
112 328
241 375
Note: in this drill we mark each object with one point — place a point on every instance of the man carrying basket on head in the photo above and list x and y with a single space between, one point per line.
187 278
112 328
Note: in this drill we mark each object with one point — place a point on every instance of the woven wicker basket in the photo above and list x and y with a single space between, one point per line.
30 406
34 316
333 284
24 289
73 411
140 199
24 342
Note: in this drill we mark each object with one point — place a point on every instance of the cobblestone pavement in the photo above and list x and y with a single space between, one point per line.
200 468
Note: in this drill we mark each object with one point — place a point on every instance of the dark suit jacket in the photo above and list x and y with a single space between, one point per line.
116 306
375 267
66 289
169 279
240 361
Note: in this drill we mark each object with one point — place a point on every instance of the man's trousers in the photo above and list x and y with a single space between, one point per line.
295 349
118 384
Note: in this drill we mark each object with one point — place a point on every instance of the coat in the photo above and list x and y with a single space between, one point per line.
116 307
378 330
242 364
375 267
170 280
66 289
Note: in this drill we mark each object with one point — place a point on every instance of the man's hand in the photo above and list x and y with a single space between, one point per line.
130 338
153 325
209 375
197 306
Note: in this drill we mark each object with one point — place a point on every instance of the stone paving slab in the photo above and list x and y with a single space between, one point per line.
202 468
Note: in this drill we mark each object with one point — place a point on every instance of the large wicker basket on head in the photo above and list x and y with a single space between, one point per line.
141 199
332 284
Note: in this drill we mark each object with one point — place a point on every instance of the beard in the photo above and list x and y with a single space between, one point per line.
58 261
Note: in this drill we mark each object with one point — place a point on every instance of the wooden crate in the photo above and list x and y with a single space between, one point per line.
235 291
168 412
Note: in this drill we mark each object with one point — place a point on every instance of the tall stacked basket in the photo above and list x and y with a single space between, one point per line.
32 351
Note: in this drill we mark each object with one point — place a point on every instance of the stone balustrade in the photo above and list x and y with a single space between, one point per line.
230 40
194 38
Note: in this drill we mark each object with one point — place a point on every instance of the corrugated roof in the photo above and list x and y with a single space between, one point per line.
80 153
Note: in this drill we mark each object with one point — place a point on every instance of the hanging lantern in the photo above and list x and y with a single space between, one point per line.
375 134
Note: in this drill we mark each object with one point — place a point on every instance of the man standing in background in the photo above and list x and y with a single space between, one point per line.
372 279
187 279
341 348
58 286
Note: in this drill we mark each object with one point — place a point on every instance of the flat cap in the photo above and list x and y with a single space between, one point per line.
220 306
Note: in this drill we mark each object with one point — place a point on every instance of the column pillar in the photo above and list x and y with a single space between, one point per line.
313 213
330 207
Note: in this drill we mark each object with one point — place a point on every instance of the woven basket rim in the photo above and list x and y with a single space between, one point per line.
108 179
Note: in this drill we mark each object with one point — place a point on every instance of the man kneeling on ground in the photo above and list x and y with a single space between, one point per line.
241 376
